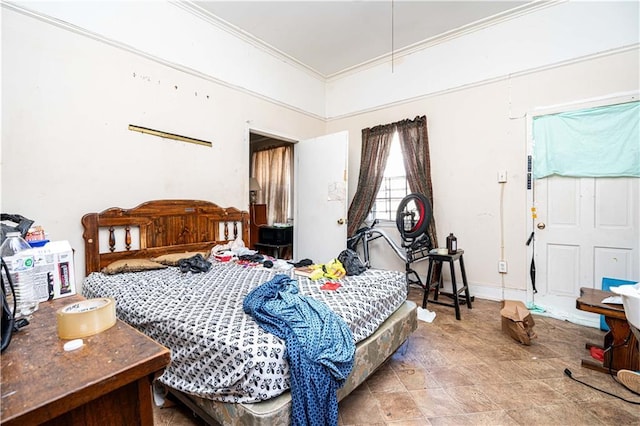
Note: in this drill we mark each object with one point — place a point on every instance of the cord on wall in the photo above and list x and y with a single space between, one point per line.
502 264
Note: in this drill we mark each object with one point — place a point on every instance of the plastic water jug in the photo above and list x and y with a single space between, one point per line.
21 267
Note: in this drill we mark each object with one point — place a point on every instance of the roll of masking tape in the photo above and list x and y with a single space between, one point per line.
86 318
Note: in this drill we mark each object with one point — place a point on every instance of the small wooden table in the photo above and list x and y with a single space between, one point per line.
624 352
106 382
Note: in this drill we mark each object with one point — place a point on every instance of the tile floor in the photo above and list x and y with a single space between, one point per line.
469 373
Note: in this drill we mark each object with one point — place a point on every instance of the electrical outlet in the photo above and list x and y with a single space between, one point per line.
502 176
502 266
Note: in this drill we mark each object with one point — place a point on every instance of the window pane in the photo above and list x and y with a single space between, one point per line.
394 186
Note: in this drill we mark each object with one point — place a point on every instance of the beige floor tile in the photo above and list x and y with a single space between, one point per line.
521 395
483 373
434 359
436 403
510 371
360 408
417 378
459 355
385 380
492 418
412 422
574 391
472 399
614 412
553 415
536 368
396 406
451 376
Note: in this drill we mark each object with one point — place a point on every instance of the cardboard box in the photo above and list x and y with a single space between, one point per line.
517 321
54 273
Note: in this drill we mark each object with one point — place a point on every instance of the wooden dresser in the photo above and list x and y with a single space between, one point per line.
106 382
257 217
621 345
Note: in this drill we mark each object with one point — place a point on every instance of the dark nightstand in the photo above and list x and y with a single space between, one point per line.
275 240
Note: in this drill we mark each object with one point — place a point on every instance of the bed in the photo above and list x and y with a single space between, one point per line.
224 366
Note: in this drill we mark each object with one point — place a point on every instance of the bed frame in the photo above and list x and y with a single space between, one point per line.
173 226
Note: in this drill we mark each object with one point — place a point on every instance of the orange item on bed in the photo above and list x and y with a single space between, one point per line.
330 286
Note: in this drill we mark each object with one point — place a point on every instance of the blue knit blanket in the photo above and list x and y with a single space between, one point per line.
319 344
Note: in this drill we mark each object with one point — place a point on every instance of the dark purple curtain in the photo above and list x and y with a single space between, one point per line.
376 142
414 142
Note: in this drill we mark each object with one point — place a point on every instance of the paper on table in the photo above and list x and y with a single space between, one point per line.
614 300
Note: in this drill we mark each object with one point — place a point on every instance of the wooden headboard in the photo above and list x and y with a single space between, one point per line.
159 227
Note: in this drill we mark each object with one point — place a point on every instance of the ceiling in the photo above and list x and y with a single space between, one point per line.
333 36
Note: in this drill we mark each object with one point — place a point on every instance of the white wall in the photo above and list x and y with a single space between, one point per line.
67 101
473 133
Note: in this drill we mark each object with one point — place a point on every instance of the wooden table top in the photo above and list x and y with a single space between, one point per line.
590 300
446 257
41 381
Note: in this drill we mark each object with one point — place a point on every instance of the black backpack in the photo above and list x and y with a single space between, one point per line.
351 262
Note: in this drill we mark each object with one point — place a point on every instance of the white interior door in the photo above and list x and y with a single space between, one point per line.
320 197
586 229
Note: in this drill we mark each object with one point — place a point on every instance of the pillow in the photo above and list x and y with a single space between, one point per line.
131 265
173 259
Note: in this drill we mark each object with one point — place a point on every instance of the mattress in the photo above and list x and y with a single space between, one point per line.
370 354
217 351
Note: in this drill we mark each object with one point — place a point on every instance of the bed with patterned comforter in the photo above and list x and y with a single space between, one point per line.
218 352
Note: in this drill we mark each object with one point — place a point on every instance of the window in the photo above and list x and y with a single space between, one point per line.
394 185
377 141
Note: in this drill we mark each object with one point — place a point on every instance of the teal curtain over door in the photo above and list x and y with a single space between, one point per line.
594 142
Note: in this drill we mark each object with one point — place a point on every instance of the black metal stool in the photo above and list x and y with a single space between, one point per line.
455 294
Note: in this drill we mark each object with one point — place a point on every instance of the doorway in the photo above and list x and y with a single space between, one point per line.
318 187
271 171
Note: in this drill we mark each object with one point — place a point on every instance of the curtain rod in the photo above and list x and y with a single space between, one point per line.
169 135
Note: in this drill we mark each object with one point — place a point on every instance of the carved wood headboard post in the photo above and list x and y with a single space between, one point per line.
91 242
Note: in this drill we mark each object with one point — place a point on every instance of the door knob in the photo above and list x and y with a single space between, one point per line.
541 225
341 221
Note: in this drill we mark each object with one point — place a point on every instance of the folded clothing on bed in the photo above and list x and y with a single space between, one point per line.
218 351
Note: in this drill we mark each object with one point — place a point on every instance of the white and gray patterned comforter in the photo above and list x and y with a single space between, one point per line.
217 351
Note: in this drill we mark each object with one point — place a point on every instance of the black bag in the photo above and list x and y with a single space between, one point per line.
22 225
351 262
8 319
